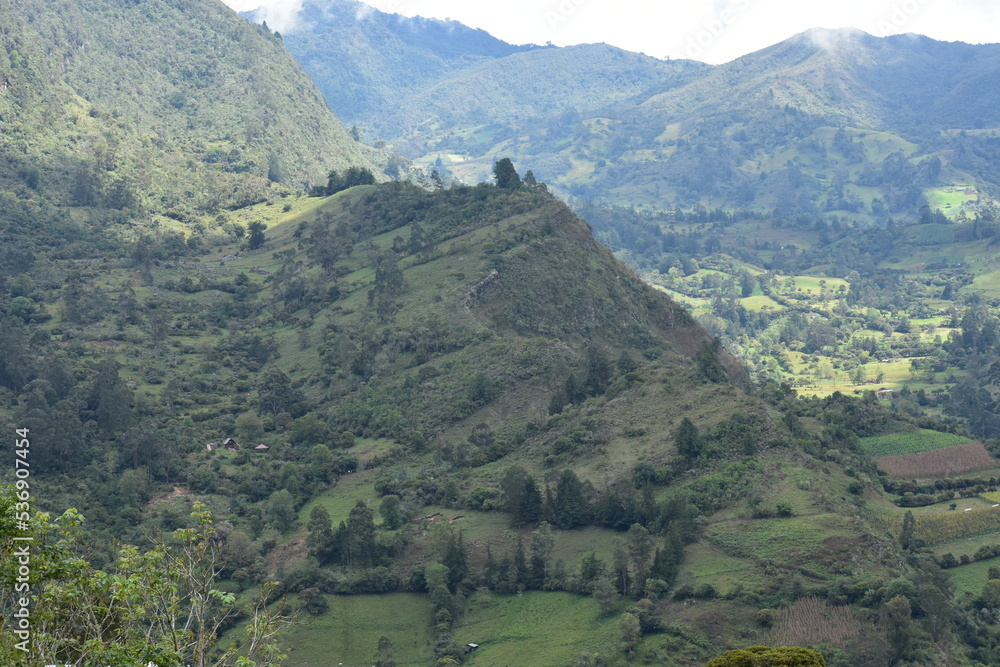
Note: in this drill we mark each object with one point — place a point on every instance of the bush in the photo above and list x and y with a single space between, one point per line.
313 602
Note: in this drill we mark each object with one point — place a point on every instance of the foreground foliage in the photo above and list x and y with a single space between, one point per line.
159 606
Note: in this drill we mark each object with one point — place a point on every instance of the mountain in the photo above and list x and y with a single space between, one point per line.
448 423
469 353
404 77
365 60
155 107
832 122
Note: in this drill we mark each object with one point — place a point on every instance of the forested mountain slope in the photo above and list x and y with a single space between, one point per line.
152 107
415 78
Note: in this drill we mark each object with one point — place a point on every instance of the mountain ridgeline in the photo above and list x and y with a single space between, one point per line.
821 123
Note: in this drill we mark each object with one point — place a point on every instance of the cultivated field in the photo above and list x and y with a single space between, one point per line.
812 621
936 528
938 462
910 443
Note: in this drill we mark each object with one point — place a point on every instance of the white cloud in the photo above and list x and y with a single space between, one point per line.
710 30
281 15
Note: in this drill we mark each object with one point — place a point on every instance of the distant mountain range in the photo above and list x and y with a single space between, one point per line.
806 125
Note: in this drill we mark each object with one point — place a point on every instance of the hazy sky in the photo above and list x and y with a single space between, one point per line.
713 31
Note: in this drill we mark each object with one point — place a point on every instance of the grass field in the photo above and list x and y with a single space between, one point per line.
798 540
910 443
703 564
339 500
969 579
755 304
349 632
535 628
967 546
950 199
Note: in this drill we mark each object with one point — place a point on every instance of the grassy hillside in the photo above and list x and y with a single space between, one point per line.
441 350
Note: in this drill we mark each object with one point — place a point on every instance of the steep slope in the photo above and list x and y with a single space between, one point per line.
470 356
418 78
154 106
365 61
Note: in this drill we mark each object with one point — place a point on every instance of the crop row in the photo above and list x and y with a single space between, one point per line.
812 621
911 443
938 462
935 528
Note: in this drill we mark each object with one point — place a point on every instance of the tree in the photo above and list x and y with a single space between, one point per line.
605 594
391 512
113 398
275 393
640 550
386 653
598 371
456 559
249 427
256 237
281 510
766 656
158 606
709 364
361 548
320 539
522 498
688 440
313 602
897 621
506 176
529 510
906 535
570 509
542 542
629 632
622 578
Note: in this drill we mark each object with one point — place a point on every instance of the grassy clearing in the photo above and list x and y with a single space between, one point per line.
795 540
536 628
755 304
703 564
339 500
572 545
967 546
475 526
969 579
911 443
950 199
349 632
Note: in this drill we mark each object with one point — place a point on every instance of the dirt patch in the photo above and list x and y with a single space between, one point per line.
290 554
